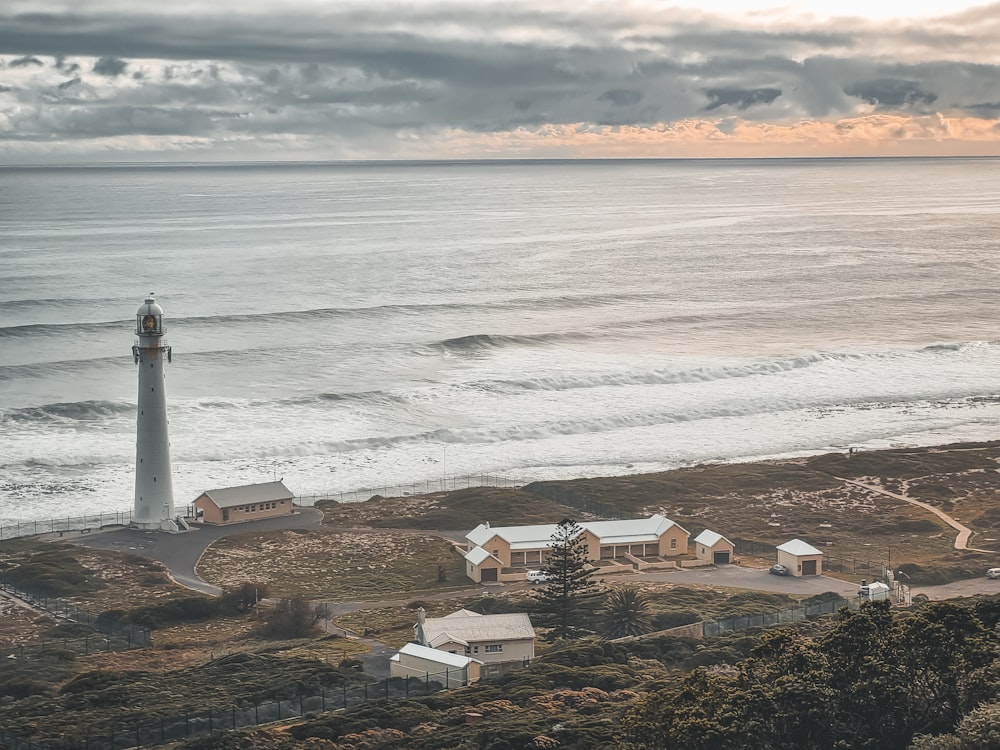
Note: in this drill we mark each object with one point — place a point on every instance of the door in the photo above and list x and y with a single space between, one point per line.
721 558
489 575
808 567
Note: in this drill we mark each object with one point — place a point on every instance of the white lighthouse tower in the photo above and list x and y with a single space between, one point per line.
154 490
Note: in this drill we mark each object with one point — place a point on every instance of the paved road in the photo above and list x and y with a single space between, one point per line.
181 552
757 579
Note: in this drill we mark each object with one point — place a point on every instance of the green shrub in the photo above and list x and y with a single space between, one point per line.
95 680
189 609
23 687
675 619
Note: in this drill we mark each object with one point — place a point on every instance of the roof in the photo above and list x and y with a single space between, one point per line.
633 530
710 538
227 497
468 628
798 548
432 654
478 555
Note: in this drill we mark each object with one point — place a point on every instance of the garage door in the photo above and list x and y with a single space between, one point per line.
721 558
808 567
489 575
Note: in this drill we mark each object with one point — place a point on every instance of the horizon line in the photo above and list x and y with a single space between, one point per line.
473 161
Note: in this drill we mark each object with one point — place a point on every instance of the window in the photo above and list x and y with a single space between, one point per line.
495 649
673 543
475 649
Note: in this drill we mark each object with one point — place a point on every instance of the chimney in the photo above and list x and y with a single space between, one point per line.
421 616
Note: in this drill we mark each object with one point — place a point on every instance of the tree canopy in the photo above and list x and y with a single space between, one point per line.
876 680
568 601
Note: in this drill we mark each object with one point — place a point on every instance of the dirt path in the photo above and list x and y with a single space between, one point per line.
964 532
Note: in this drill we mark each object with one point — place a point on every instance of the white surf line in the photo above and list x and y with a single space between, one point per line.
964 532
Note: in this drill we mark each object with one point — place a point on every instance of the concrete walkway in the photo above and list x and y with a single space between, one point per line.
964 532
180 552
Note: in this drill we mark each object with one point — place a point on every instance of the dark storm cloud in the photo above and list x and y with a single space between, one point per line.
621 97
351 71
888 93
25 61
110 67
740 98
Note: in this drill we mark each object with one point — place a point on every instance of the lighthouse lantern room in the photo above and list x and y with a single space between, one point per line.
154 492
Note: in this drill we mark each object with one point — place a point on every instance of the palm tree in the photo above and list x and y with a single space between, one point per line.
626 612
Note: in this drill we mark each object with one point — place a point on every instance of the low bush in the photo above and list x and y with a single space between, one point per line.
51 572
189 609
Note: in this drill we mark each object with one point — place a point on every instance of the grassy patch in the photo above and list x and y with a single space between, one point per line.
462 509
339 566
50 571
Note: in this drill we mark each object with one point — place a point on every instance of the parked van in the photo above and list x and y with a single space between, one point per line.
537 576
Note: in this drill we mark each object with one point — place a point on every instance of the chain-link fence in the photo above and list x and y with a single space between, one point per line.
68 525
777 617
114 634
864 567
248 714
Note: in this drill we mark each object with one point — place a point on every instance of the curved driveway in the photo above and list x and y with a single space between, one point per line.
180 552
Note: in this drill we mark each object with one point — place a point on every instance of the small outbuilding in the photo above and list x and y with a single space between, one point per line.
251 502
875 591
434 665
714 548
801 558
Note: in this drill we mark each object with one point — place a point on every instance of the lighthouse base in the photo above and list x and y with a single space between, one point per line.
176 526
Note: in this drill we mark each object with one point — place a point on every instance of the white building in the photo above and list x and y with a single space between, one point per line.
492 639
801 558
433 665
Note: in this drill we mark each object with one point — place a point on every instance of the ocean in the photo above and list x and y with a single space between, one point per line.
351 326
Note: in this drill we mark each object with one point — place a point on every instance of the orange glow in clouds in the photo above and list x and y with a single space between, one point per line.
869 135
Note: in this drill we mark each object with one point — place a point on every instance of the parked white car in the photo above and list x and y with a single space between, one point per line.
538 576
993 573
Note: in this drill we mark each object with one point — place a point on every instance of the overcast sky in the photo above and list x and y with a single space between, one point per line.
194 80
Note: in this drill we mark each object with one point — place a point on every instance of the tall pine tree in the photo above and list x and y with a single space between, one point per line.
568 602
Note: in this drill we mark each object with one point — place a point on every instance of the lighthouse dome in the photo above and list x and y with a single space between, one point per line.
149 318
149 307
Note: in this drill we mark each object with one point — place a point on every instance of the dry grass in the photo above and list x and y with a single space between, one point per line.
19 625
461 509
337 566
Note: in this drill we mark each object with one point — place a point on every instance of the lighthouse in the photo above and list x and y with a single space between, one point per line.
154 490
